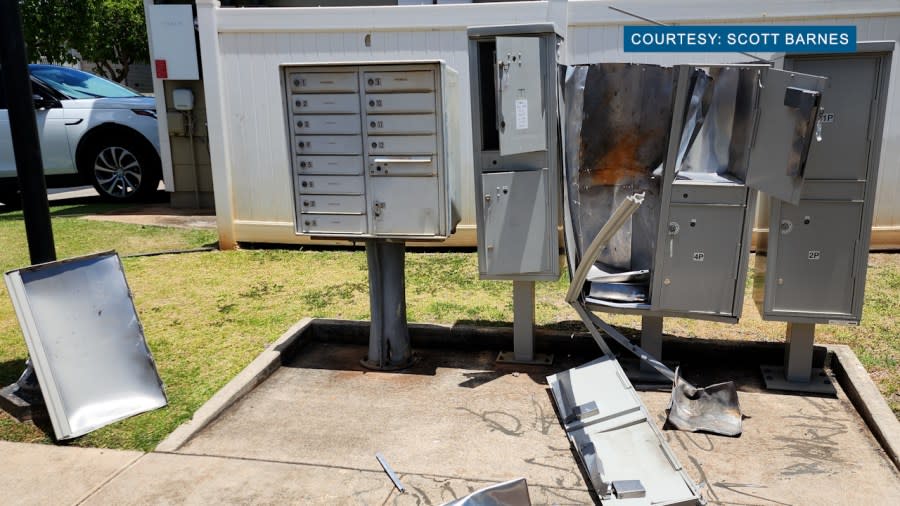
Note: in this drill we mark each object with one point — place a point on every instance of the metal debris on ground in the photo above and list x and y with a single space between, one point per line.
509 493
86 342
390 472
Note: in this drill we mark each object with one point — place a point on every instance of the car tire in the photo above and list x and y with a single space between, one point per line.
122 168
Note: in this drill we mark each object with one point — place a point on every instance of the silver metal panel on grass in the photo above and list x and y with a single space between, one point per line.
86 342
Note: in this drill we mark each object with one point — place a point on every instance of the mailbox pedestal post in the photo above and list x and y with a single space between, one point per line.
389 347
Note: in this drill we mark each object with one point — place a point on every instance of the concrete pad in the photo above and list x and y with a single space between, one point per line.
187 479
794 450
453 416
461 418
255 373
44 474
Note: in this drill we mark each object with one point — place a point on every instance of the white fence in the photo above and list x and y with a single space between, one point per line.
241 50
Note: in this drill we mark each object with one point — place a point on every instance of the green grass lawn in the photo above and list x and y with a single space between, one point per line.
207 315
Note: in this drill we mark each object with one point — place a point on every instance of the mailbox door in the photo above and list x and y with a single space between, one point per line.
700 258
518 84
405 206
786 110
816 248
515 222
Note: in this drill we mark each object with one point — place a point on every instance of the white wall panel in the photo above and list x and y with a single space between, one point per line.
253 42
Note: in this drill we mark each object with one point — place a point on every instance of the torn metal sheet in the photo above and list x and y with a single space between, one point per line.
601 276
713 409
622 451
508 493
617 126
86 342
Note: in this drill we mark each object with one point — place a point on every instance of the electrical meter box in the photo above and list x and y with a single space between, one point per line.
515 126
373 149
696 141
813 268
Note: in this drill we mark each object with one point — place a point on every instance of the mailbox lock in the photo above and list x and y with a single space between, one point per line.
487 197
786 227
374 144
306 203
310 222
674 228
371 81
297 83
806 220
302 165
371 103
372 124
378 207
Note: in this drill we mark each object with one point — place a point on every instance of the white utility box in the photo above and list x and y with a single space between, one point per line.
373 149
173 42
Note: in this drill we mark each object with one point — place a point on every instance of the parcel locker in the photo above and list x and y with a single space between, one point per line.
373 149
813 269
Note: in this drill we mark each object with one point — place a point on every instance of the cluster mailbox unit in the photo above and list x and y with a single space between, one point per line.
813 269
372 149
374 158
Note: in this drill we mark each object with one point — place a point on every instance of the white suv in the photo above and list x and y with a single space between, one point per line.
92 131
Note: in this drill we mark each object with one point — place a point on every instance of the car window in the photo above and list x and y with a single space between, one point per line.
78 84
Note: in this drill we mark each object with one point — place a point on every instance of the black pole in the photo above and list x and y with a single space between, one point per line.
19 398
25 140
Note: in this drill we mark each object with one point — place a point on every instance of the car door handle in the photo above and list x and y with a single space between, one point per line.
77 121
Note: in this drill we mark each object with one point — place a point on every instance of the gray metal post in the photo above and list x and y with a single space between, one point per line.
389 347
523 328
523 320
651 339
798 352
797 374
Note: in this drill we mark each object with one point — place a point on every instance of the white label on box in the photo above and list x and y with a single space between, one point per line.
521 114
699 256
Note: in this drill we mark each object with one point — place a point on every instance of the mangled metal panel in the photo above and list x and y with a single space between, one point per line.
617 125
623 452
86 342
509 493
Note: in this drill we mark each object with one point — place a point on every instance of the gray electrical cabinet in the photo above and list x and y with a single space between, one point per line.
514 83
813 268
373 149
696 141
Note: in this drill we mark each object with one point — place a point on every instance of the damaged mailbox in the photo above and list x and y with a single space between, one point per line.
86 342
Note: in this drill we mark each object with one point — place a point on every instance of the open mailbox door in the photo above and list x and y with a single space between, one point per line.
787 107
518 85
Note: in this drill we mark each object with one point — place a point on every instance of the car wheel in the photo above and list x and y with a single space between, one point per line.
123 170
